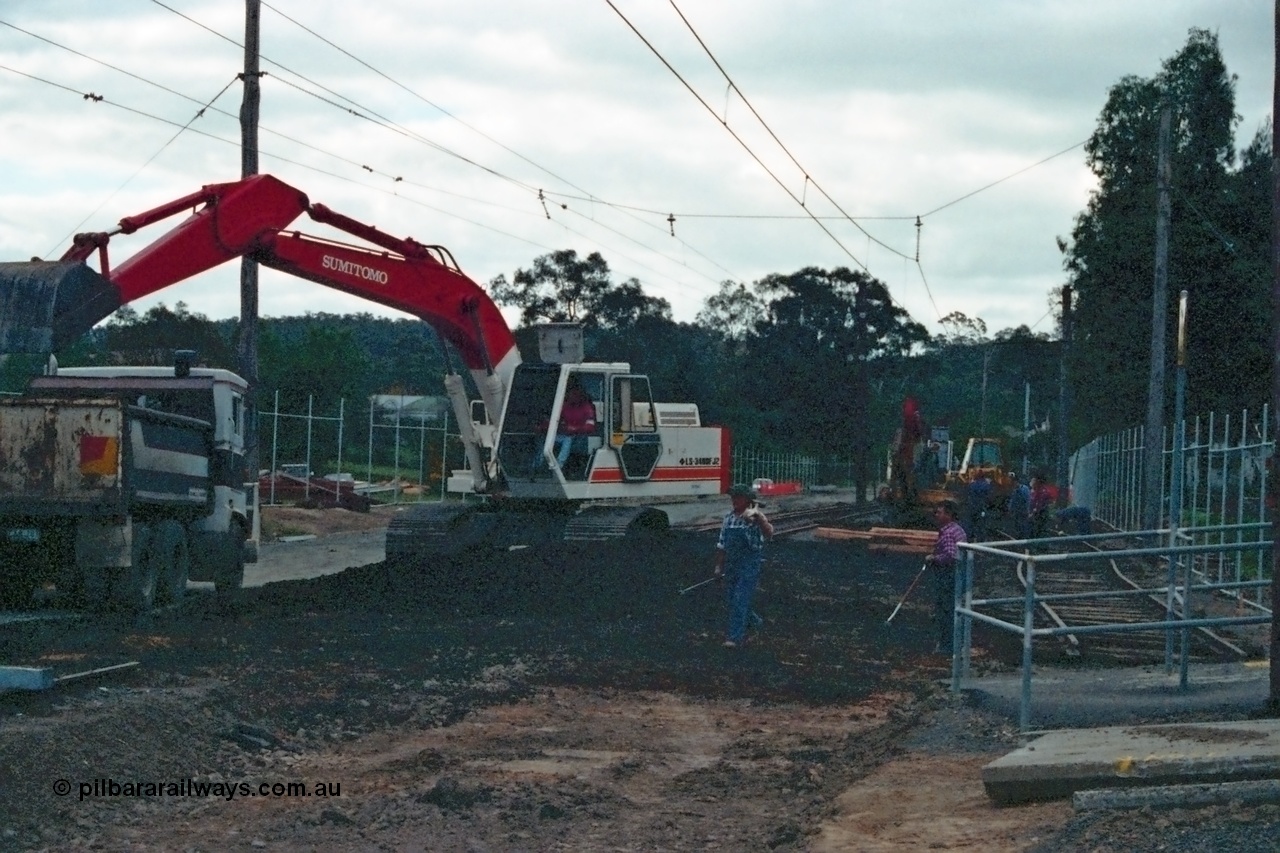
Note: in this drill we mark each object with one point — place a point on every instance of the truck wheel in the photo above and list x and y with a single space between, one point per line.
172 556
135 587
19 581
230 576
95 587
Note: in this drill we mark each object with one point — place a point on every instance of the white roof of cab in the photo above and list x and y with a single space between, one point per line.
217 374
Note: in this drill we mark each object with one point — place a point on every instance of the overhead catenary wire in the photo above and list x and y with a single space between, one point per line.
733 133
265 129
808 176
986 187
274 156
265 153
361 113
587 197
594 200
687 214
149 161
357 164
370 115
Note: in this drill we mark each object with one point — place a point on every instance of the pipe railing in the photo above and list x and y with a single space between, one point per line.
1178 618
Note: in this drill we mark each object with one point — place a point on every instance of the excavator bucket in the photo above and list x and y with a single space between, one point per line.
47 305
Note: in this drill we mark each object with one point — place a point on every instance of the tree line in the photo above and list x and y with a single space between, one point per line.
820 360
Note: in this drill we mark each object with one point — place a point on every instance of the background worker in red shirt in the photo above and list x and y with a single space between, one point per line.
943 561
1043 497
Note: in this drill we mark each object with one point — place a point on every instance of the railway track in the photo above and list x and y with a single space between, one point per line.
1098 577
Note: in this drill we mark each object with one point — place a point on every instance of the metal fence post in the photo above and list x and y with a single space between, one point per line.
341 423
1028 627
307 488
275 436
444 453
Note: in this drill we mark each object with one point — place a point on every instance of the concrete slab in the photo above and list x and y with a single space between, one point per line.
1058 764
1075 698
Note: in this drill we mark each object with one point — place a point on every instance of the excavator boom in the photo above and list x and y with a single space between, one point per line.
248 218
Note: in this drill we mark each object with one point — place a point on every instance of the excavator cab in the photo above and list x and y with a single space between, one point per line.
541 456
529 450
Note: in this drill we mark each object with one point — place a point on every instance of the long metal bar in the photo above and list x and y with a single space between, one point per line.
1120 593
275 438
1113 628
1127 552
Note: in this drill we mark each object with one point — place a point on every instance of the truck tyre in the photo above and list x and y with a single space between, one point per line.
95 588
230 576
172 556
19 582
135 587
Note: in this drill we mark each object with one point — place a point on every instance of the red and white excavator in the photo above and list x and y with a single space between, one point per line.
642 450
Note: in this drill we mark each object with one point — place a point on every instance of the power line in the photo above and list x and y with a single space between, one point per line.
100 99
589 197
420 97
388 123
209 105
95 98
150 160
784 217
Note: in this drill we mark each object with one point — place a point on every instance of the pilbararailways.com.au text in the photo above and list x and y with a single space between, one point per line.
104 788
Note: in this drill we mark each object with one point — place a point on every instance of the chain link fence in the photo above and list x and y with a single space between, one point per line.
395 449
1224 460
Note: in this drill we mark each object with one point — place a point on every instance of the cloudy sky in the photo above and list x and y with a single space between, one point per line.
443 121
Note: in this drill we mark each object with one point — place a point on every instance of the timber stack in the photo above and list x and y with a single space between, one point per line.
884 540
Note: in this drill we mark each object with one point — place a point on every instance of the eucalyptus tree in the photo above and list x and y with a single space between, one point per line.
1110 257
811 359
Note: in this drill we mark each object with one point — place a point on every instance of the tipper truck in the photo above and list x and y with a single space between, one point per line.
120 484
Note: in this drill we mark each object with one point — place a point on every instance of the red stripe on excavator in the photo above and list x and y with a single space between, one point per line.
666 475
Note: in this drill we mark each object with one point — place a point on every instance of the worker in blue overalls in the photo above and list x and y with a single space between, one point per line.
739 557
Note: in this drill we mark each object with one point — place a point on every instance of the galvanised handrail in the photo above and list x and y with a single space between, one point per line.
966 606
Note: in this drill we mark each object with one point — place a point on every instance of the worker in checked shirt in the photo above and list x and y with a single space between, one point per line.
943 562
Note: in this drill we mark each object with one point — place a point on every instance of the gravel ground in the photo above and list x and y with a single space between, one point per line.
567 699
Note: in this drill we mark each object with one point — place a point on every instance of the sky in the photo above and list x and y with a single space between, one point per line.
779 135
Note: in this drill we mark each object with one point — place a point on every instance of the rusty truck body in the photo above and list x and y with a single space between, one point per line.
120 484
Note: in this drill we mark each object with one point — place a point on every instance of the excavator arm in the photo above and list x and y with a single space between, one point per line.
249 218
47 305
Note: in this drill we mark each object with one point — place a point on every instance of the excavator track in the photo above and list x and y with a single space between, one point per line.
436 529
601 523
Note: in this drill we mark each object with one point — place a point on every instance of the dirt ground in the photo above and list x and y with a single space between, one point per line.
283 521
568 701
